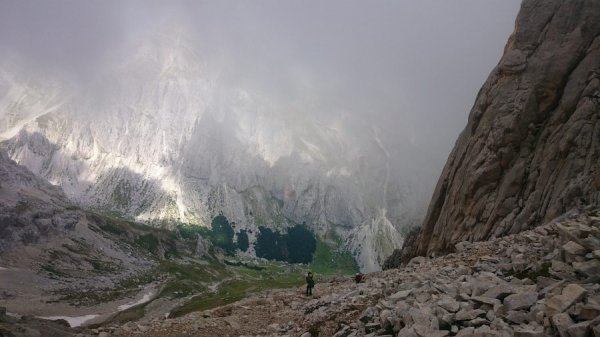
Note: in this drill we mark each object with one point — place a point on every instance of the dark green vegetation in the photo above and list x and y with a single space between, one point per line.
220 234
242 240
296 246
190 232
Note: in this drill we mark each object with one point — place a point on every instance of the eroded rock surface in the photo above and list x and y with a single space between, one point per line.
531 146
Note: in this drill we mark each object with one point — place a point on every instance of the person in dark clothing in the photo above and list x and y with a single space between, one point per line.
310 283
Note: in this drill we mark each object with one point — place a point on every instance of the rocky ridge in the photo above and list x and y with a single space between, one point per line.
31 209
538 282
161 139
530 149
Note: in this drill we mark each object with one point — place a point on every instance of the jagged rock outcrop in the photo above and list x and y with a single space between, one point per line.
31 209
531 146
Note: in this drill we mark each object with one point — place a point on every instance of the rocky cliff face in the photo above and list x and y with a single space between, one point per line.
531 146
160 138
31 209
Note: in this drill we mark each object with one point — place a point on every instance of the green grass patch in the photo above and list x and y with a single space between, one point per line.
189 279
190 232
328 261
235 290
148 242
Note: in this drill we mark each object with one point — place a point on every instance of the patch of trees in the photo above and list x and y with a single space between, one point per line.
220 234
296 246
242 240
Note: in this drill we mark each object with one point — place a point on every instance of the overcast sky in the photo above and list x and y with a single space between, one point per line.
414 65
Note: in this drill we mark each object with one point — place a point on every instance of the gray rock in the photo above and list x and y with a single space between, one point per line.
559 303
581 329
520 301
517 317
560 266
485 300
596 330
462 246
574 248
306 334
465 332
524 332
372 327
449 304
588 312
491 315
400 295
424 331
588 268
419 317
499 292
477 322
467 315
561 322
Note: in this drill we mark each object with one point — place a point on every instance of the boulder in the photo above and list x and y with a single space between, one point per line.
596 330
400 295
574 248
589 268
499 292
581 329
588 312
485 300
425 331
467 315
559 303
517 317
520 301
528 332
449 304
561 322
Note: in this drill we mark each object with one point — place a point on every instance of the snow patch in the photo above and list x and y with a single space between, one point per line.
142 300
73 321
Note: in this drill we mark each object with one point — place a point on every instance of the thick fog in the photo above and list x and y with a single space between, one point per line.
411 67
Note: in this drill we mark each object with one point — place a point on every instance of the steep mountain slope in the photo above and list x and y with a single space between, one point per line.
161 139
531 146
30 208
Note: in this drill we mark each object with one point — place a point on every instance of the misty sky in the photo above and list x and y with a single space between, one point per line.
414 65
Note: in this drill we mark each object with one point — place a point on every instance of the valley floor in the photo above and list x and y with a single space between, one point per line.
541 282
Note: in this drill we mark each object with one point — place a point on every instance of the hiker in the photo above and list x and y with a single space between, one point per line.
310 283
359 278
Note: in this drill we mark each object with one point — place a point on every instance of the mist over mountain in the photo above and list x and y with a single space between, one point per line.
273 115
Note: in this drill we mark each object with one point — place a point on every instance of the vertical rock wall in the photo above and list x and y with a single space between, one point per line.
531 147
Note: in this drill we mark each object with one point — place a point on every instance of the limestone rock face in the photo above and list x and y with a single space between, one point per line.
531 146
161 138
